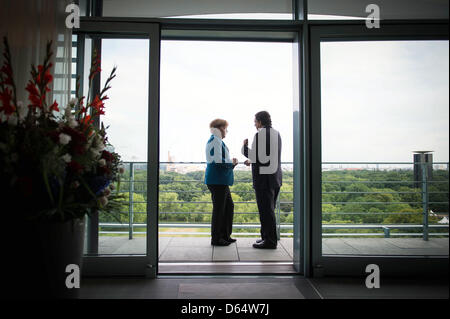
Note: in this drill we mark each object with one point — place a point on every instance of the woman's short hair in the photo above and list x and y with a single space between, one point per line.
217 123
264 118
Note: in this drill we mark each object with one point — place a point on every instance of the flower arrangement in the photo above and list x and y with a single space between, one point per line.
55 164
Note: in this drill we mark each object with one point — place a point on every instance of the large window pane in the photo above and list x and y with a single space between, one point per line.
381 102
210 9
202 81
398 9
127 117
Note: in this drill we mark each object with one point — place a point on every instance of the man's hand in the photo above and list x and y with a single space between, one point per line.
246 142
247 163
235 161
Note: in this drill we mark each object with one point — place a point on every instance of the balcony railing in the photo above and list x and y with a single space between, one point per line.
186 180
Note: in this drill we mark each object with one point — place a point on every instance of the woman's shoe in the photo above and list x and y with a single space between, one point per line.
221 242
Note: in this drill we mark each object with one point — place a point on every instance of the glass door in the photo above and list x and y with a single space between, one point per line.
380 116
251 76
125 242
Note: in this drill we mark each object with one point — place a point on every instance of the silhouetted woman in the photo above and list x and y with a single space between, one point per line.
219 177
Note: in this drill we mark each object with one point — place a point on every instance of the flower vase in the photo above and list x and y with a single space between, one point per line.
39 256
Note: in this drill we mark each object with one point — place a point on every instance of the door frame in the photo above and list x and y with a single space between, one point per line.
192 29
139 265
307 116
354 265
233 31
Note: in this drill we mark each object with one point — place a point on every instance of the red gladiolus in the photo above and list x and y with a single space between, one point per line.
34 97
7 70
54 107
87 120
48 77
31 88
98 105
38 78
95 68
6 97
81 101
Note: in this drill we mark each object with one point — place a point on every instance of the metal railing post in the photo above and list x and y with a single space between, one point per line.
425 199
387 232
130 211
278 216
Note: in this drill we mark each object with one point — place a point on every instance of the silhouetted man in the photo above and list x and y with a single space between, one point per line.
265 158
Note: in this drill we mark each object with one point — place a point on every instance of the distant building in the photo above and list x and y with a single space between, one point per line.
422 157
170 167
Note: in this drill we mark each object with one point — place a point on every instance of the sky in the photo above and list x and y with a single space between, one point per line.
380 100
229 80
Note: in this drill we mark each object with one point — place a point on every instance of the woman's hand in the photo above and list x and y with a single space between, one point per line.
247 163
246 142
235 161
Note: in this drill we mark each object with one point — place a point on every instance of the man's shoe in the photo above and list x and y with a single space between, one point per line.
264 245
259 241
221 242
231 240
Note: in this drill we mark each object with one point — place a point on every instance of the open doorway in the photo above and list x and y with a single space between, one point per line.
202 81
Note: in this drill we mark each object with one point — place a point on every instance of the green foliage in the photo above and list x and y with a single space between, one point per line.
348 197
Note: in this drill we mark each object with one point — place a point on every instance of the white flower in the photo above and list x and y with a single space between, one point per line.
3 117
67 158
103 200
73 101
107 191
68 111
64 139
23 111
102 162
72 122
100 146
70 119
95 152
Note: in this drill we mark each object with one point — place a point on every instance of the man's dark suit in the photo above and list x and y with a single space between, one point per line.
267 186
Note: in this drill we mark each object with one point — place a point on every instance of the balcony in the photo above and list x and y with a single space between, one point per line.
367 209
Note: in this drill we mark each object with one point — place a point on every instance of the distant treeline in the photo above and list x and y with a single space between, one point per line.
348 196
